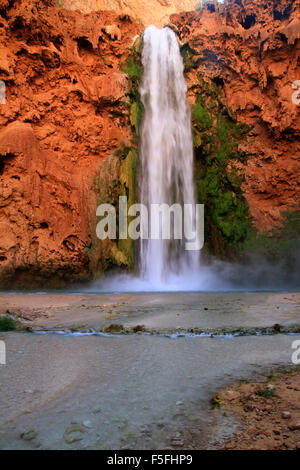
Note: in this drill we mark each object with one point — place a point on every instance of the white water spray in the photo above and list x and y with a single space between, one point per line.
166 156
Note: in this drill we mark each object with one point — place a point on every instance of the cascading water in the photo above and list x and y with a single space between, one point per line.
166 156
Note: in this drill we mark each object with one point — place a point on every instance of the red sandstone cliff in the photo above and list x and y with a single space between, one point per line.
66 112
148 12
252 49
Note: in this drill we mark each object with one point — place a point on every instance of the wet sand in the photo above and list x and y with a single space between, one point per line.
156 311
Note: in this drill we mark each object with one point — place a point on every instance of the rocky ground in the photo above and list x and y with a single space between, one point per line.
269 412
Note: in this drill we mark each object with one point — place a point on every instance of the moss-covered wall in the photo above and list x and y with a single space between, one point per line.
219 168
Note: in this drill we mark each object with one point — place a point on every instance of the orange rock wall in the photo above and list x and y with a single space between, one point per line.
148 12
252 50
66 111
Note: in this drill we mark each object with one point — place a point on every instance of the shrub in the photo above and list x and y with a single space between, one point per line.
7 324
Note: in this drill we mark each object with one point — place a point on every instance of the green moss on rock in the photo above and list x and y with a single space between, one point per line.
218 170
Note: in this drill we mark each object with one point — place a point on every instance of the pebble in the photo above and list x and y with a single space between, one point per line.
36 443
28 435
286 415
87 424
232 395
160 425
179 403
177 442
249 407
96 410
73 433
73 438
74 428
270 387
112 328
143 429
295 426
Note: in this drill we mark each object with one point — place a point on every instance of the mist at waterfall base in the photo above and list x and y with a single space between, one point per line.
166 176
213 276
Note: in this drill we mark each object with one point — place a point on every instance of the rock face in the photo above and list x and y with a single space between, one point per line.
65 112
66 120
155 12
251 51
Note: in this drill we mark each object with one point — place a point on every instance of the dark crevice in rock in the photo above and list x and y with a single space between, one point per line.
249 21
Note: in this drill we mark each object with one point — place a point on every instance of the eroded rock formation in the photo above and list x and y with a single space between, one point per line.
148 12
66 111
66 122
251 50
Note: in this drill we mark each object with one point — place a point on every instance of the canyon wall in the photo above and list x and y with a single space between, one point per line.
148 12
66 112
67 130
251 51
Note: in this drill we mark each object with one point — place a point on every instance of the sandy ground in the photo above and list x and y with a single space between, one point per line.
155 311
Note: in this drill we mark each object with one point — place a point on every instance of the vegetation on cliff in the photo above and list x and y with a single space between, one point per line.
219 173
219 169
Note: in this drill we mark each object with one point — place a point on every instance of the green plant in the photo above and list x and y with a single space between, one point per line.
187 56
215 403
266 392
133 68
7 324
136 116
201 115
273 377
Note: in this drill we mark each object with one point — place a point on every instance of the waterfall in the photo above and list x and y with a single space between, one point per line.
166 154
